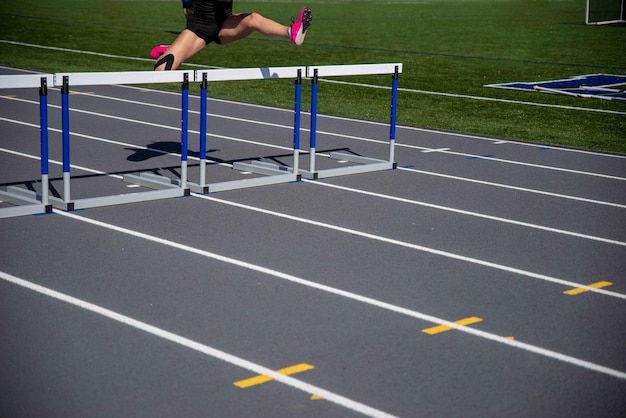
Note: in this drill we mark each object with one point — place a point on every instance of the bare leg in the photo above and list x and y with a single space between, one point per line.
241 25
235 27
184 47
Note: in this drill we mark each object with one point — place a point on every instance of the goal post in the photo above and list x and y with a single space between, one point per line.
604 12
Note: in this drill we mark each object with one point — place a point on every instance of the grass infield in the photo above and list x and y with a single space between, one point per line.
450 50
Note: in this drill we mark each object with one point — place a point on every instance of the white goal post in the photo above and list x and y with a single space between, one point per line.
604 12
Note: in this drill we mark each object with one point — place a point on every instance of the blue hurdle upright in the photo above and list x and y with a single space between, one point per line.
24 201
270 173
362 164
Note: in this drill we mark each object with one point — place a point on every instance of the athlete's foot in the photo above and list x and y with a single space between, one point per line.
300 25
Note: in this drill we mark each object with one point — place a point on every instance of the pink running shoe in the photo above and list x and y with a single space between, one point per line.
300 25
157 51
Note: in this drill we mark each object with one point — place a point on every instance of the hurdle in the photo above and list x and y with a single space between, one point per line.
23 201
31 202
270 173
163 186
363 164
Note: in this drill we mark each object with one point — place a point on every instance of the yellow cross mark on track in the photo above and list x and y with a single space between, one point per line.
443 328
579 290
257 380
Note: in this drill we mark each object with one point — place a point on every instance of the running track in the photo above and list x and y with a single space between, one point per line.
436 289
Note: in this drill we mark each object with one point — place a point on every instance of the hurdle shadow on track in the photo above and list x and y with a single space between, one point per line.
28 184
31 184
276 157
158 149
162 148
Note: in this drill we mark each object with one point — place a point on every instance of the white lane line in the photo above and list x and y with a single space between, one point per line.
194 345
389 240
320 133
540 166
355 297
429 150
498 160
555 230
352 190
139 122
417 247
468 213
378 141
99 54
516 188
418 129
51 161
379 238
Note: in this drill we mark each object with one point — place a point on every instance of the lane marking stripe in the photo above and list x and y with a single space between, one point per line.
319 132
465 212
417 247
205 349
428 150
355 297
364 192
579 290
443 328
388 240
517 188
263 378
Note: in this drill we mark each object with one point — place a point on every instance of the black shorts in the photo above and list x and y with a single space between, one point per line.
205 18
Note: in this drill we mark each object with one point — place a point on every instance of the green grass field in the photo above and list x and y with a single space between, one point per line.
450 50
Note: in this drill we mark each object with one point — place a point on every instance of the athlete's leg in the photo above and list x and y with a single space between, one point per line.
184 47
242 25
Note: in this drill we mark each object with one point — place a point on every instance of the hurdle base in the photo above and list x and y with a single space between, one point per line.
364 165
95 202
26 202
272 174
165 189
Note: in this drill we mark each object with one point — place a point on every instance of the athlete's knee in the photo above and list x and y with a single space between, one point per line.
253 20
167 59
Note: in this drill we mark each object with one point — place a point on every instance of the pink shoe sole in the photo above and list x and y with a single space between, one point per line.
157 51
300 25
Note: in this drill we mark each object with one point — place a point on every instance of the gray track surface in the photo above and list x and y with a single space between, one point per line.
343 274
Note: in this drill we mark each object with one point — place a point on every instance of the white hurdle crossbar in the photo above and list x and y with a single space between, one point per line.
122 77
23 201
270 173
364 164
